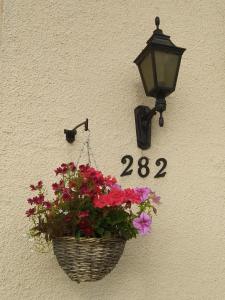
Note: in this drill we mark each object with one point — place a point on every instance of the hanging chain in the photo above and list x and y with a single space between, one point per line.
88 148
90 151
90 154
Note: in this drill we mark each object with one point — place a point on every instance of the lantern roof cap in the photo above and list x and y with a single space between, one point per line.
159 37
159 40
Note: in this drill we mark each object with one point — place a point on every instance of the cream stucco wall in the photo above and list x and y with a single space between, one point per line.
63 61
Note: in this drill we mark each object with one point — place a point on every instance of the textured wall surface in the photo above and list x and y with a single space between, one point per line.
63 61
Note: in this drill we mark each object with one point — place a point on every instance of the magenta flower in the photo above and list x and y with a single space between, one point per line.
143 223
30 212
36 200
143 193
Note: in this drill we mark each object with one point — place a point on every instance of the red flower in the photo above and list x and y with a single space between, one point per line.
30 201
132 196
83 214
36 200
72 184
72 166
85 227
113 198
39 185
68 218
66 195
47 204
32 187
58 187
110 181
39 199
30 212
88 231
116 197
92 174
55 186
61 170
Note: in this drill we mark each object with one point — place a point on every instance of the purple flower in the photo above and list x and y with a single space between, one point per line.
143 223
143 193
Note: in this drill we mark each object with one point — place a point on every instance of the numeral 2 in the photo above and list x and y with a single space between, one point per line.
127 170
164 164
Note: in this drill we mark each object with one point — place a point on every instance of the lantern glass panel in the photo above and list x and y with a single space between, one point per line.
166 68
147 72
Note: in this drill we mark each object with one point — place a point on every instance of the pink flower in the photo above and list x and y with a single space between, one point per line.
142 223
132 196
155 198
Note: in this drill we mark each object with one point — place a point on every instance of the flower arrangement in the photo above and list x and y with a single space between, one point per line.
89 204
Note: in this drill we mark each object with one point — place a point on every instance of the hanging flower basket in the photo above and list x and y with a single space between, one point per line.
89 219
88 259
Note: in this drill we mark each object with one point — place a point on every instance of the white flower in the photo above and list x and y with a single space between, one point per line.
60 211
65 212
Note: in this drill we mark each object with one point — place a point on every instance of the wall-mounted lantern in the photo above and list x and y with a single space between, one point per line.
158 65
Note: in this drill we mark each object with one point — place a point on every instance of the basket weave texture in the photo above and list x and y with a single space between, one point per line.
88 259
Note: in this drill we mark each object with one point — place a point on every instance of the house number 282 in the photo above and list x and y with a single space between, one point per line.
143 166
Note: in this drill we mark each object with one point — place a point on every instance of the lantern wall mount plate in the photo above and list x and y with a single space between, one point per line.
158 65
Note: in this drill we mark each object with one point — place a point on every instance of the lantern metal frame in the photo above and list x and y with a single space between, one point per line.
143 114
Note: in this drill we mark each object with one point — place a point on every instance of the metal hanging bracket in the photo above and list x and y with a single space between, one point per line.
71 133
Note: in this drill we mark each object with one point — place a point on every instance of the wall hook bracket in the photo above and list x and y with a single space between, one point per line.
71 133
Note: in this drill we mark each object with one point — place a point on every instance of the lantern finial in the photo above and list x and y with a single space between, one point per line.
157 22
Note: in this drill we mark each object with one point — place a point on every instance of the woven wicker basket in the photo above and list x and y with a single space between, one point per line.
88 259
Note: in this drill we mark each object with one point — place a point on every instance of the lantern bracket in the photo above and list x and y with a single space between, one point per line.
70 133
